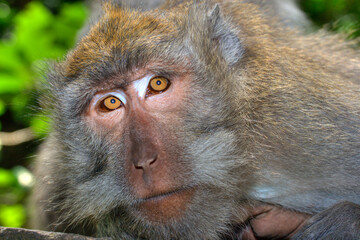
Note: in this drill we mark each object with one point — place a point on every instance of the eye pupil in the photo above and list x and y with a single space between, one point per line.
158 82
112 101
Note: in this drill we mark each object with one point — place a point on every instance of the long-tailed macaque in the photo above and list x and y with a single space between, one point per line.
198 119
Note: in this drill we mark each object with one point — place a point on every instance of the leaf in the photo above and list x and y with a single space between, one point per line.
12 215
7 178
2 108
69 21
32 26
10 60
10 84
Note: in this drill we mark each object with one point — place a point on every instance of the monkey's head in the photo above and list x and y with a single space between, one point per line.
144 117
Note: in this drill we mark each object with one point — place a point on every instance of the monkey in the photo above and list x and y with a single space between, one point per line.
195 119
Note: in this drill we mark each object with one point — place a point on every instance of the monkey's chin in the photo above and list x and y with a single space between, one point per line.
170 206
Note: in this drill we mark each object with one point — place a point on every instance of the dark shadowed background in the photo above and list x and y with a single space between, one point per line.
34 32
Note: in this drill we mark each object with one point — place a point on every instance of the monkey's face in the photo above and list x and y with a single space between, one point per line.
149 143
144 118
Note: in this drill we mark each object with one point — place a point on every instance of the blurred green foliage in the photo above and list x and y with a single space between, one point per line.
33 31
37 35
34 34
14 185
337 15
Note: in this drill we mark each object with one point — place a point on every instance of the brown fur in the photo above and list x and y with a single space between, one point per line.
268 115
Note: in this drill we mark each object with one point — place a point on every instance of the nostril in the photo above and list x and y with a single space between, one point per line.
153 159
145 162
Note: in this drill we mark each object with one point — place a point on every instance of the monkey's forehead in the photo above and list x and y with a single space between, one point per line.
125 37
124 40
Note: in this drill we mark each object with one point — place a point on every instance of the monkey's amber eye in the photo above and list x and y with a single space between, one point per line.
159 84
110 103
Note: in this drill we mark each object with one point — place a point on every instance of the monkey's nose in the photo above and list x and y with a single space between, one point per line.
145 162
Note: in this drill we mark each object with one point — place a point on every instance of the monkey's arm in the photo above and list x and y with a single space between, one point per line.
341 221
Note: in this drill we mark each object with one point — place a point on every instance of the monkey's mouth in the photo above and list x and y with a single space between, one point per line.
165 206
158 197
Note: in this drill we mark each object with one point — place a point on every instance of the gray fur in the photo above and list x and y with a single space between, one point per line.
270 116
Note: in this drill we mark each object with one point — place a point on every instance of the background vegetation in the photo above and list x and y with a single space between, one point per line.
30 32
34 31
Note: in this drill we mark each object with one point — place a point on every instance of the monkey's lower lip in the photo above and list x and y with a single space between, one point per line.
165 206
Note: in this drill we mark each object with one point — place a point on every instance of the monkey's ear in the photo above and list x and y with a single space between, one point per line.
229 43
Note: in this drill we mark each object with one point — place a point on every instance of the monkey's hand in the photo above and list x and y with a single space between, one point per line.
341 221
272 222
